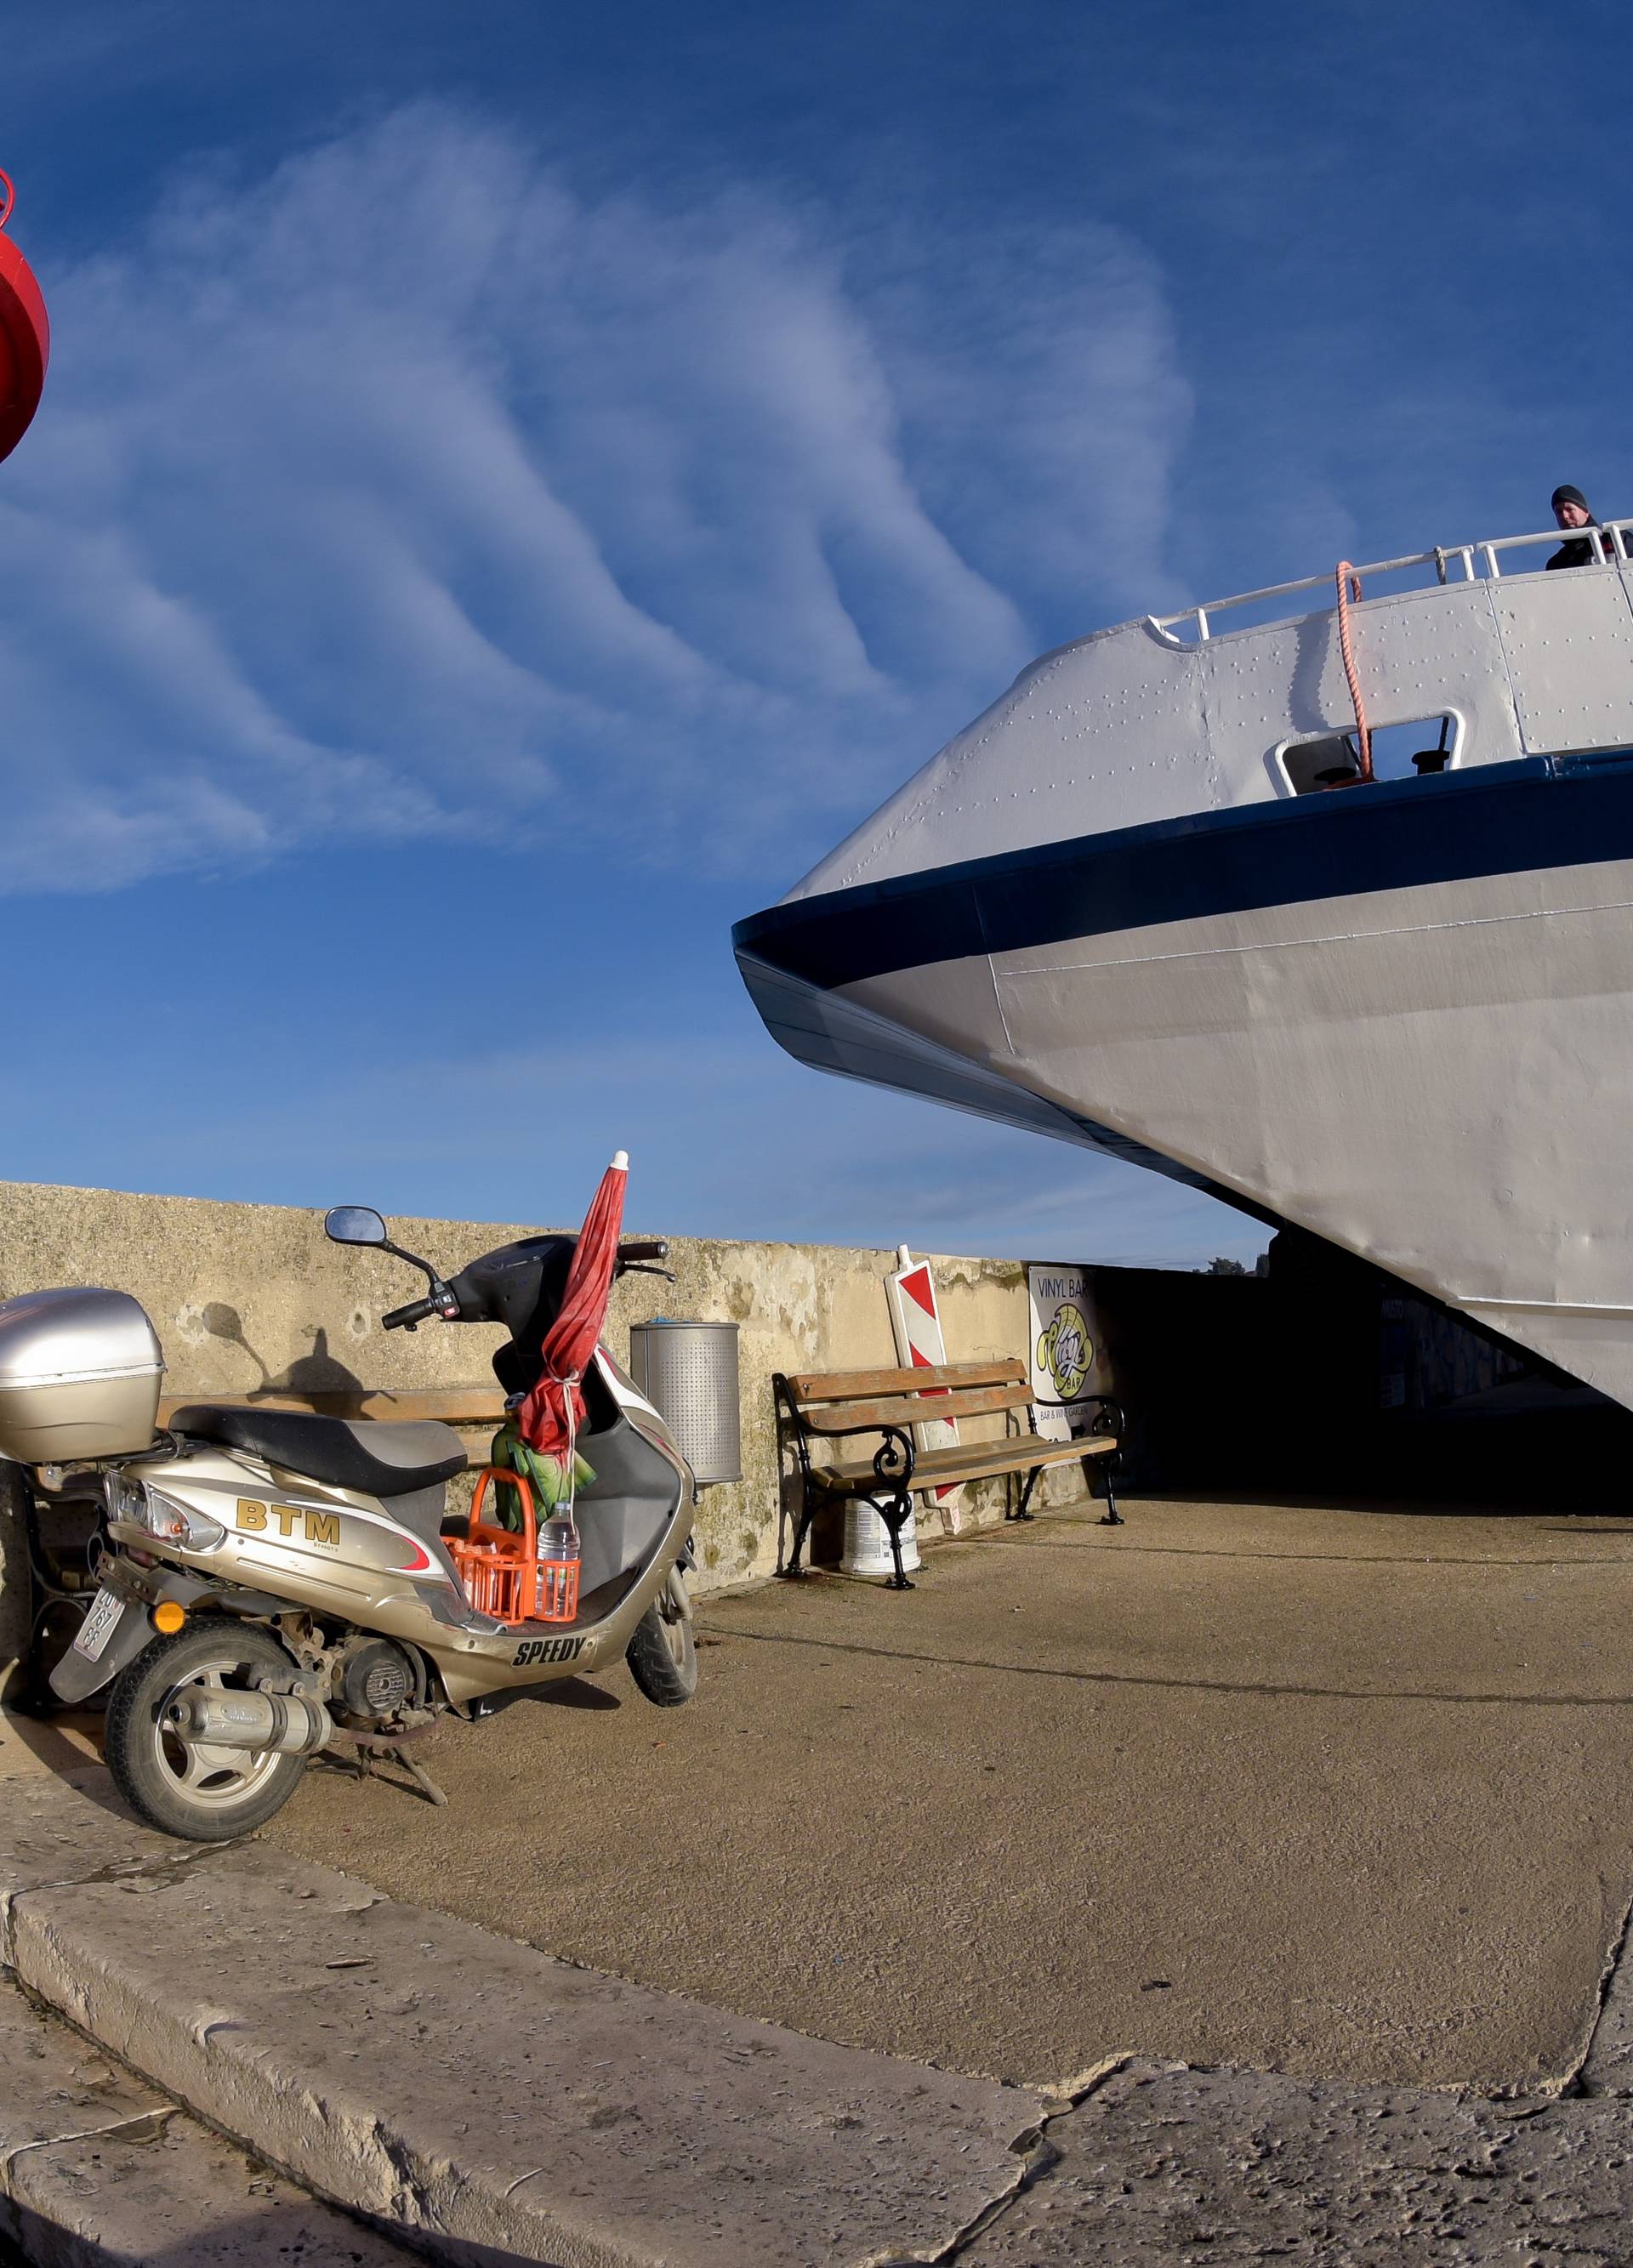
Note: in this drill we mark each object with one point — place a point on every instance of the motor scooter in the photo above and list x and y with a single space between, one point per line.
273 1583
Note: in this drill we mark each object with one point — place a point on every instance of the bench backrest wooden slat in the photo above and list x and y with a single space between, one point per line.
818 1386
914 1409
469 1407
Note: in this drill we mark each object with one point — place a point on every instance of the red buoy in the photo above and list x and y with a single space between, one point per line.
25 337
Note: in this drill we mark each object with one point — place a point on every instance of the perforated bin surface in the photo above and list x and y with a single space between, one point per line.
689 1372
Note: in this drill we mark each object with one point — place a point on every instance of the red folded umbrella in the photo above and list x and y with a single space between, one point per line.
548 1419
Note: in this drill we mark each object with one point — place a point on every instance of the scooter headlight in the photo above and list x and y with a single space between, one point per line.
141 1504
126 1500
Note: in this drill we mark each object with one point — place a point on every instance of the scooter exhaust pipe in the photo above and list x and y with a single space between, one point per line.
285 1723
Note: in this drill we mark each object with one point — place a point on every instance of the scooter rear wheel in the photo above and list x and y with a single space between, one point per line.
204 1794
662 1658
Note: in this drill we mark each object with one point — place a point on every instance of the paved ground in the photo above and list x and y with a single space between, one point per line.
1216 2169
1314 1790
97 2168
443 2087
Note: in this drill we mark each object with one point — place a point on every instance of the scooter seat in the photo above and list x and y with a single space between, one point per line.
377 1457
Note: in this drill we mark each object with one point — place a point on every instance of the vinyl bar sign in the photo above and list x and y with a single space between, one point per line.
1065 1345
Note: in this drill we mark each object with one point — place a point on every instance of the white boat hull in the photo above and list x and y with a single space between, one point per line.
1432 1070
1121 907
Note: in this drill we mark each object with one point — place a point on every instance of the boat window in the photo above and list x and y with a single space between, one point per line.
1311 765
1413 750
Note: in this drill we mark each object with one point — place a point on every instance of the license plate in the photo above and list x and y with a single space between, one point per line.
98 1626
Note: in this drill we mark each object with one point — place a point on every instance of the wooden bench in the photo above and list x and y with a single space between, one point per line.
824 1407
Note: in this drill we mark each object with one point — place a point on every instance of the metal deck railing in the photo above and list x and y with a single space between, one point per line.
1610 543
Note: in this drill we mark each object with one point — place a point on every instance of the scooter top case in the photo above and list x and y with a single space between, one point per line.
267 1510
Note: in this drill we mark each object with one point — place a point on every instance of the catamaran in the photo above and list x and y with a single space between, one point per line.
1174 896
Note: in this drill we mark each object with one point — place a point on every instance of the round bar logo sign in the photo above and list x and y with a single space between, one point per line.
1066 1352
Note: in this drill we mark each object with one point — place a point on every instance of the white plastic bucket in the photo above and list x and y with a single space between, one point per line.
868 1542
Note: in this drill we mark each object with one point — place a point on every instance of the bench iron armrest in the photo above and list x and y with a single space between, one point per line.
894 1459
1110 1417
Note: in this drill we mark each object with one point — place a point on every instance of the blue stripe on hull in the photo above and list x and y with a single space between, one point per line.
1493 818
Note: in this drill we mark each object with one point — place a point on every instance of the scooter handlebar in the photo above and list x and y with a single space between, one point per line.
656 1248
402 1319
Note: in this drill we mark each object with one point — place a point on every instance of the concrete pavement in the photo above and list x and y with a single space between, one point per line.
1196 1727
1164 2165
97 2168
469 2096
349 2041
1303 1788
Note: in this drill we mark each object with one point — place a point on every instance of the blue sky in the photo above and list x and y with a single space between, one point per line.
517 483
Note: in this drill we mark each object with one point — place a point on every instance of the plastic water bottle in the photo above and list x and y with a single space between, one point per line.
558 1552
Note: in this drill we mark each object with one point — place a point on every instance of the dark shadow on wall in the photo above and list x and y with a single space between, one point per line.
317 1372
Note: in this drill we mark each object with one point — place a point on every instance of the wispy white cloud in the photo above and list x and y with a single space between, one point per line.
1044 437
412 491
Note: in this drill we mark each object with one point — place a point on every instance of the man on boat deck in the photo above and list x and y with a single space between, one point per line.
1571 510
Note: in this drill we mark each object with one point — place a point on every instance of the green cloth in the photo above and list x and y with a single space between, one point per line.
548 1474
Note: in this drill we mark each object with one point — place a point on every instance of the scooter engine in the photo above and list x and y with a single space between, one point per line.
377 1681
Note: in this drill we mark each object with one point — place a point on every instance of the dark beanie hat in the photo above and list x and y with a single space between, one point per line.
1567 495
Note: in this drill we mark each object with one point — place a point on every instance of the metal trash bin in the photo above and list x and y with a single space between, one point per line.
688 1371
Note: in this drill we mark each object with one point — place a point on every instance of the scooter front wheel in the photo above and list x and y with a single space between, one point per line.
662 1658
202 1793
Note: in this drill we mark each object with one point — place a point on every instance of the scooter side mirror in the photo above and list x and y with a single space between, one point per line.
354 1225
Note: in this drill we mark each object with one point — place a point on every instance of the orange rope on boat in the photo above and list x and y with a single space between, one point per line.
1347 580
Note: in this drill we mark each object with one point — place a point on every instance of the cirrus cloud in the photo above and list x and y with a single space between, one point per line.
414 491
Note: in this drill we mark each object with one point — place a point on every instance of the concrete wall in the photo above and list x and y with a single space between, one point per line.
248 1296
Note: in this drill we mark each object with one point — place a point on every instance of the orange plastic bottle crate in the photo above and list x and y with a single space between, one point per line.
495 1565
501 1571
